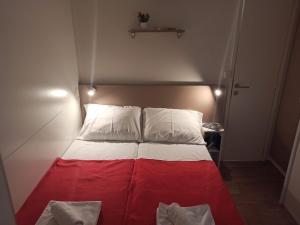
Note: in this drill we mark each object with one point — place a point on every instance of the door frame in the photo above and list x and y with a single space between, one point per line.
232 72
281 77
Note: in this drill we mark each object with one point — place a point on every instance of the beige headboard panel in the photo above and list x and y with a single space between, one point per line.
196 97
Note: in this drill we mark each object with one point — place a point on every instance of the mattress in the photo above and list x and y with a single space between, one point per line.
91 150
173 152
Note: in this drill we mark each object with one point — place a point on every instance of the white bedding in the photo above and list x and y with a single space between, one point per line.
111 123
91 150
172 126
173 152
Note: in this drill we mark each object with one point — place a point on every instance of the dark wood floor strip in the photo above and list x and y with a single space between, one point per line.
256 189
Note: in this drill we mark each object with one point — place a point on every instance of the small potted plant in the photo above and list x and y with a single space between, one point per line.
143 19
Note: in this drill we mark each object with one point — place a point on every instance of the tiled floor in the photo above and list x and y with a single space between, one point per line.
256 189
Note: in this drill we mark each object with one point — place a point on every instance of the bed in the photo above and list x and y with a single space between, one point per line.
131 178
187 183
82 180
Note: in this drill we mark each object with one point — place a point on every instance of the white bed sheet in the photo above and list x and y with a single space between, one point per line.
91 150
173 152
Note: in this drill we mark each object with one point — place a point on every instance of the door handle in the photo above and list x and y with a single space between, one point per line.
237 85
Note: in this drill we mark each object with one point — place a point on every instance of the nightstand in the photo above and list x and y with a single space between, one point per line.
213 139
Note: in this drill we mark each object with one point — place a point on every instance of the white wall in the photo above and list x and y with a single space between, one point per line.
7 216
292 195
107 53
292 201
38 89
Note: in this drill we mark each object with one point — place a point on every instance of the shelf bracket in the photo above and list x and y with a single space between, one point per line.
179 34
132 34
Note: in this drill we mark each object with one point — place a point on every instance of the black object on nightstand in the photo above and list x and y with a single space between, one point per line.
213 139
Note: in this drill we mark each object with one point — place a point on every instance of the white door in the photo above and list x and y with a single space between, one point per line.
263 40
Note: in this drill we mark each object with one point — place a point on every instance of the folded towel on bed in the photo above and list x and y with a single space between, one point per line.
174 214
70 213
65 214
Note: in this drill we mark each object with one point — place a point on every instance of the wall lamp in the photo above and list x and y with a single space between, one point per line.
91 91
218 92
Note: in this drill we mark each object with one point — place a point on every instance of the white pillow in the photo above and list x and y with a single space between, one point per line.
111 123
172 125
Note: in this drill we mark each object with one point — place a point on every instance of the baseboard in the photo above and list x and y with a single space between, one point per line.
232 160
277 166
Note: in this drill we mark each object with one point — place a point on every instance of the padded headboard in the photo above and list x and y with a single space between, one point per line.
195 97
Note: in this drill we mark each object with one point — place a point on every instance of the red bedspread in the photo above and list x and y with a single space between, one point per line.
130 190
187 183
70 180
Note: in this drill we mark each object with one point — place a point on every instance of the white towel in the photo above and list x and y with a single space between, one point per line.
70 213
174 214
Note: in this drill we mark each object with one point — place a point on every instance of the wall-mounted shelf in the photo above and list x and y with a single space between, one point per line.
179 32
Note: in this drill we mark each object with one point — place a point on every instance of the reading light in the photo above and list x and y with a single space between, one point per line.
91 91
218 92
